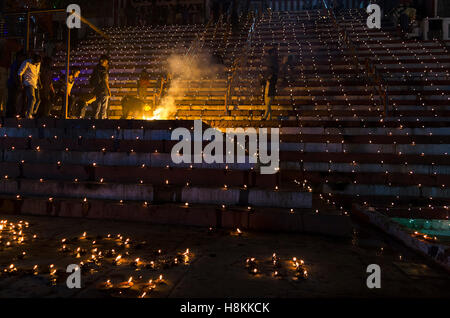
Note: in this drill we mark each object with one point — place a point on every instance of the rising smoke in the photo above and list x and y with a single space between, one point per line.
183 71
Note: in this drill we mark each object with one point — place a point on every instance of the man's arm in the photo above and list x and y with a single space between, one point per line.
107 84
21 71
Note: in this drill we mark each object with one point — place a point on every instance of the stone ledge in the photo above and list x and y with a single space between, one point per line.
262 219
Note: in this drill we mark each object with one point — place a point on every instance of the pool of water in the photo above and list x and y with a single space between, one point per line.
430 227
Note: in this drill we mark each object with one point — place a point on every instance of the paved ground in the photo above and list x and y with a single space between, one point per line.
216 264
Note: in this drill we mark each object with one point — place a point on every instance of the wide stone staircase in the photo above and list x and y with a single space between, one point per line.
362 116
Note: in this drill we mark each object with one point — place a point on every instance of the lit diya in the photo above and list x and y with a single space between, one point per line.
150 265
151 285
302 273
127 284
136 262
275 260
106 285
160 280
276 274
238 232
186 256
117 260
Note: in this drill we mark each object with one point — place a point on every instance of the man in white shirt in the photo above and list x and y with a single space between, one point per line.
29 79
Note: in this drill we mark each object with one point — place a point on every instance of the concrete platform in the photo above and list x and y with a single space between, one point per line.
216 267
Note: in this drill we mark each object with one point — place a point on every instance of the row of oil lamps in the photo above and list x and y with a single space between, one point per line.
251 264
15 230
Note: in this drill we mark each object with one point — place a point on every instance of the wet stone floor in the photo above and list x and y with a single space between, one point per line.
124 259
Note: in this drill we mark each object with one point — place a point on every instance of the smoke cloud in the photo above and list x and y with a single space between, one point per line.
182 70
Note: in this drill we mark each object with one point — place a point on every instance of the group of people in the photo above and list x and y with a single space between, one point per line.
405 16
32 92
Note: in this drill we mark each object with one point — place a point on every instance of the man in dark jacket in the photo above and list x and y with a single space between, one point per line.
13 85
100 83
271 69
47 90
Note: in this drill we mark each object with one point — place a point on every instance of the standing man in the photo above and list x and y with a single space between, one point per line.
7 49
73 75
13 85
47 91
270 81
29 79
142 84
100 82
4 64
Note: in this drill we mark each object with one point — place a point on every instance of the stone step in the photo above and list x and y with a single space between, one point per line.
136 175
152 193
259 219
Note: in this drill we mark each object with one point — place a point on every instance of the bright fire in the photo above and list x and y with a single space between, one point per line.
160 113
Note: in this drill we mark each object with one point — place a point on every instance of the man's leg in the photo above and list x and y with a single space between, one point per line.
31 100
37 102
266 100
87 100
72 111
269 107
3 89
62 112
83 109
98 102
105 103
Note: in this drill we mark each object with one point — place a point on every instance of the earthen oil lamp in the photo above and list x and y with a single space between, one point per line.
151 285
11 269
150 265
110 253
136 262
297 263
301 273
143 295
275 260
22 255
52 270
158 252
160 280
250 264
300 270
126 285
65 249
106 285
117 260
238 232
186 256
